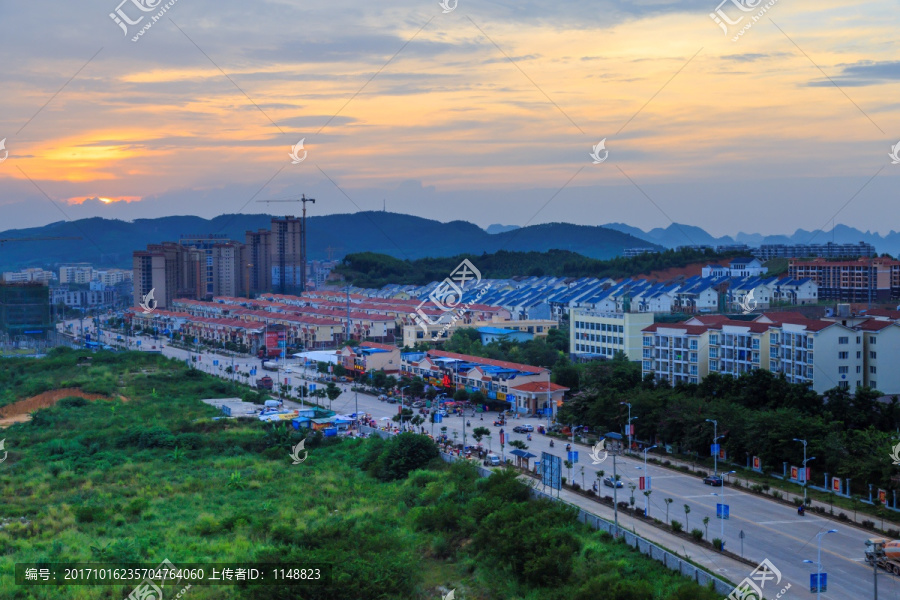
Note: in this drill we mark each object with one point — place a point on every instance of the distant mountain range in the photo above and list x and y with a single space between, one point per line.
680 235
110 243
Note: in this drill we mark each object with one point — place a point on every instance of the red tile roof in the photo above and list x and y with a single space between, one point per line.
874 325
539 386
690 329
487 361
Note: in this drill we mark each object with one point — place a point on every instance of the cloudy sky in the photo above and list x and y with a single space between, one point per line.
488 112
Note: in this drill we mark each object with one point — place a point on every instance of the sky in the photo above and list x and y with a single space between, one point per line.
482 111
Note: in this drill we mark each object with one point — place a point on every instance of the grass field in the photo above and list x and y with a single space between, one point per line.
155 478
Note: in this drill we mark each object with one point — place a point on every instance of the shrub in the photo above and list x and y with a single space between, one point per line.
717 543
776 495
842 516
676 526
868 524
893 533
702 473
798 501
765 487
72 402
697 534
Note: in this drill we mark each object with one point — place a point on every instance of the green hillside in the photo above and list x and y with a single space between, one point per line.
110 243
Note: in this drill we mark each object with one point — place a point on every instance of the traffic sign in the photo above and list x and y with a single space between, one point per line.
644 483
818 582
572 455
215 363
714 450
312 387
438 417
721 511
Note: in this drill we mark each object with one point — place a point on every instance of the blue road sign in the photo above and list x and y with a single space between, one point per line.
714 450
721 511
818 582
312 387
138 342
572 455
87 337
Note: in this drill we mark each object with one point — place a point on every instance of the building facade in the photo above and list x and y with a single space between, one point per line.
595 334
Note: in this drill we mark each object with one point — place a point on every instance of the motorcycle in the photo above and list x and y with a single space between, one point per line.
529 437
551 443
801 511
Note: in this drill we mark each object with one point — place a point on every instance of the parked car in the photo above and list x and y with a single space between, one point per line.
608 482
492 460
498 423
418 404
714 480
523 428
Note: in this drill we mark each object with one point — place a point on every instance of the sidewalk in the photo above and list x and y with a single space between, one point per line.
773 487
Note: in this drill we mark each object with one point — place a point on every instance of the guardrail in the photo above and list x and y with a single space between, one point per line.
644 546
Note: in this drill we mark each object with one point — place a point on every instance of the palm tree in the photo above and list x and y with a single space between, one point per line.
647 494
706 526
668 501
687 511
568 464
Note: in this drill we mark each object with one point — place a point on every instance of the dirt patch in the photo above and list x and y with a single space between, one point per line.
19 412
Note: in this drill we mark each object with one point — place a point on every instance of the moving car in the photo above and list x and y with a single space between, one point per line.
608 482
714 480
523 428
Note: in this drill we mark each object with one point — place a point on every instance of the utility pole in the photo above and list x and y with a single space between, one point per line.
615 482
628 404
715 439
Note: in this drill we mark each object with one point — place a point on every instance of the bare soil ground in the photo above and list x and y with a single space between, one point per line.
19 412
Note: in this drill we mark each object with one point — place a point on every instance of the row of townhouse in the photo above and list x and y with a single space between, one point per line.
824 353
527 389
697 294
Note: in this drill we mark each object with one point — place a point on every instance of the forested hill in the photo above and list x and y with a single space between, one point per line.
110 243
368 269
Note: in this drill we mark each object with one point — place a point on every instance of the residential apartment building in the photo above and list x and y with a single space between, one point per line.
881 354
77 273
29 276
861 280
737 347
112 277
595 334
829 250
675 352
820 353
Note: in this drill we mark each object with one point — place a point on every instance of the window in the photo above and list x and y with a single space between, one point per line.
843 370
872 384
646 365
843 355
648 341
844 385
859 355
858 369
693 357
858 339
873 354
872 339
621 329
713 365
873 369
693 344
843 340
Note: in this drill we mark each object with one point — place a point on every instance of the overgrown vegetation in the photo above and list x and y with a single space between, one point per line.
155 477
369 269
759 414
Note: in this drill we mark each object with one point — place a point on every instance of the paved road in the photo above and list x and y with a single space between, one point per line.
771 530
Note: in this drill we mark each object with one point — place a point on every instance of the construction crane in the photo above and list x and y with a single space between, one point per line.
304 200
36 239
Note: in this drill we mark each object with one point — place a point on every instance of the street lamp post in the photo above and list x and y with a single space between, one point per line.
722 529
628 404
646 480
715 439
818 562
401 412
805 460
615 482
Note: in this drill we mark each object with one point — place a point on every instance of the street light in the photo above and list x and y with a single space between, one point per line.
722 530
716 438
628 404
818 562
805 460
646 480
401 411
